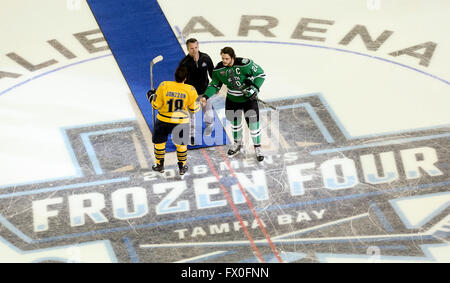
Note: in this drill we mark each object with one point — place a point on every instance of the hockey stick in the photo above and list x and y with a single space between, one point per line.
267 104
241 88
155 60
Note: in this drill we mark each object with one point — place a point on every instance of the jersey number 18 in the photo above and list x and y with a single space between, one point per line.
178 104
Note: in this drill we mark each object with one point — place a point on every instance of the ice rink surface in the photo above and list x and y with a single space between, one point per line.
357 155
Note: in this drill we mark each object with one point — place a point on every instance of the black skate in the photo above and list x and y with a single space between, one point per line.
183 168
235 148
159 167
259 155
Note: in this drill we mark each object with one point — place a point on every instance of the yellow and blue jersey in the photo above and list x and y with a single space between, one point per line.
174 100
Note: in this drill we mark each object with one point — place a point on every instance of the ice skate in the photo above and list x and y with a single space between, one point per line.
183 168
235 148
259 155
159 167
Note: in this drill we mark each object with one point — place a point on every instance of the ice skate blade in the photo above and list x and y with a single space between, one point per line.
234 154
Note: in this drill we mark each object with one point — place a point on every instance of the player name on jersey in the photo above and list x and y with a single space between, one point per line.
176 94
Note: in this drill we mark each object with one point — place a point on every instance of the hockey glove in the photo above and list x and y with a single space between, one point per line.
202 99
151 95
251 92
247 82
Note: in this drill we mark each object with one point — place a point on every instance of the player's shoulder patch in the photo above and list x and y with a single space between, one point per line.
241 61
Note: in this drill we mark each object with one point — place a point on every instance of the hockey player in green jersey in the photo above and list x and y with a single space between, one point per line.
243 79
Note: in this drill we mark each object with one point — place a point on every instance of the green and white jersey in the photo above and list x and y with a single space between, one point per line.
236 78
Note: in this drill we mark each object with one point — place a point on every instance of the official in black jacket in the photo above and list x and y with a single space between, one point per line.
200 67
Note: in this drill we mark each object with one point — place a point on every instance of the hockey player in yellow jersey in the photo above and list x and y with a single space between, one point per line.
173 100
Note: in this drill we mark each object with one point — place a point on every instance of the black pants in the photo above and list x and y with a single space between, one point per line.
179 132
235 110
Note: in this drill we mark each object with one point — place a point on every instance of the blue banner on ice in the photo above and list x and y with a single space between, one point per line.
137 31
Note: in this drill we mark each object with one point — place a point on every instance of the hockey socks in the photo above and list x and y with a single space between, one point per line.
236 129
182 154
182 158
160 152
255 133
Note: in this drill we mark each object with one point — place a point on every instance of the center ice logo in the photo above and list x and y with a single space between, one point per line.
114 196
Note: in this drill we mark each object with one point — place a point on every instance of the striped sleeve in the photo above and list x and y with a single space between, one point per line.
214 86
258 75
159 101
194 105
